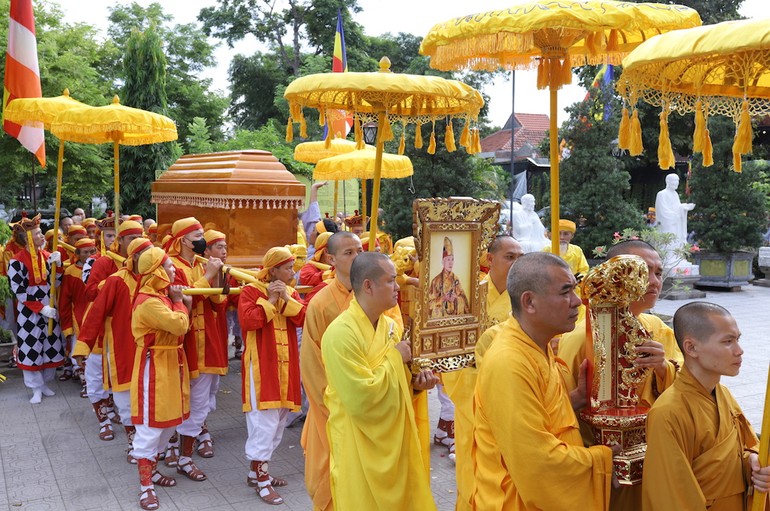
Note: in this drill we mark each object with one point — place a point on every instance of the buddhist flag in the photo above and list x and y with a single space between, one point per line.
22 74
341 122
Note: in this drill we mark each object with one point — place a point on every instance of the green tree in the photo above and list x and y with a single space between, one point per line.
145 88
188 53
199 139
267 138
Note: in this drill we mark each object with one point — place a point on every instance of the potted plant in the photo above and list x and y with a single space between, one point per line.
728 223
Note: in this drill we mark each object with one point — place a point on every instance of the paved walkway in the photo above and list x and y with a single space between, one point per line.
51 457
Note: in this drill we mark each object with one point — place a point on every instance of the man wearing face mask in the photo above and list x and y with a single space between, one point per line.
186 242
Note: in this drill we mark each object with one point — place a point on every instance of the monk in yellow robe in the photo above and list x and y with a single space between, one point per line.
445 294
375 458
663 355
701 450
572 254
459 385
527 450
160 384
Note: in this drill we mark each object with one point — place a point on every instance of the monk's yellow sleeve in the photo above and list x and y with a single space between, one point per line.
154 314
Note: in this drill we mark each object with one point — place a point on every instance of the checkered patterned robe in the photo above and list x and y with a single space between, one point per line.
37 349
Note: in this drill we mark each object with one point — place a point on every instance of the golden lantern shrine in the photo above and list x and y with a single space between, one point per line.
248 195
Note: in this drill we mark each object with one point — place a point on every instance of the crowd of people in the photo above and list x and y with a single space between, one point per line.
141 317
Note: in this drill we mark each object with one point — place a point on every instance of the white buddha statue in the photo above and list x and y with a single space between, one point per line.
526 226
670 213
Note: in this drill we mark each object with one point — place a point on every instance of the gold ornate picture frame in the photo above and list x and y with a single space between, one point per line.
450 314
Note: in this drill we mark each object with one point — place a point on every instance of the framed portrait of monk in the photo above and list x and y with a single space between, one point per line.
450 314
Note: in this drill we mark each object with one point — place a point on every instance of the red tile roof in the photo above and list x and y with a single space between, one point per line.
530 129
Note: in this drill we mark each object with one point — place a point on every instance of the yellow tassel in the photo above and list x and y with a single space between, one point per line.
743 136
665 152
591 43
386 133
477 146
321 117
432 143
449 137
566 72
624 131
542 75
737 162
358 133
418 136
465 136
635 146
302 127
554 73
402 143
612 43
708 150
328 140
700 128
289 131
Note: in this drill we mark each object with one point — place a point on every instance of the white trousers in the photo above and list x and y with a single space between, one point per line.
95 379
36 380
200 402
213 394
123 406
147 439
265 427
447 406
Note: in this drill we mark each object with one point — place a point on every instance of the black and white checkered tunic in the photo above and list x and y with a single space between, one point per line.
37 349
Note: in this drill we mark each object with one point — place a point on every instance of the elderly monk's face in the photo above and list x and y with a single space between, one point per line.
283 272
655 269
557 304
168 265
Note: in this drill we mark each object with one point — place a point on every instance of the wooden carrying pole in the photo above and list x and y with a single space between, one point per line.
760 498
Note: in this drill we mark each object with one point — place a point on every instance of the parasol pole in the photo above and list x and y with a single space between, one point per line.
56 218
760 498
554 174
116 174
363 202
336 196
376 189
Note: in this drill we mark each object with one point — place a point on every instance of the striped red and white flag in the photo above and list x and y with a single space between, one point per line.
22 74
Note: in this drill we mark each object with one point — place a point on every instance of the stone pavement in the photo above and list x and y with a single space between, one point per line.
51 457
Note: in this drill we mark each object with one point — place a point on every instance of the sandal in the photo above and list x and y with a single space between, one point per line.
206 449
171 457
161 480
275 481
191 471
83 391
106 433
148 499
269 495
66 375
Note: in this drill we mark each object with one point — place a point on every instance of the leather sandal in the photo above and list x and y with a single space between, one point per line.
66 375
106 433
83 391
171 457
206 449
278 482
161 480
191 471
269 495
148 499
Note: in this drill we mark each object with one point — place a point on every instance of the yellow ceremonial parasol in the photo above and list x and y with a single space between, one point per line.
42 112
313 152
385 98
121 125
715 69
361 165
553 36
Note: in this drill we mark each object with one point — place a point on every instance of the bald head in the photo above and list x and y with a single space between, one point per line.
630 247
529 273
336 241
695 321
368 266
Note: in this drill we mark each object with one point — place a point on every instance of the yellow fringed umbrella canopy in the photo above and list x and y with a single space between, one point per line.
715 69
115 123
386 98
361 165
552 37
313 152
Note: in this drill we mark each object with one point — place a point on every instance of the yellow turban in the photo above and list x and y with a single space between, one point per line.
181 228
276 256
85 243
447 251
137 245
88 221
320 245
77 229
211 236
154 276
567 225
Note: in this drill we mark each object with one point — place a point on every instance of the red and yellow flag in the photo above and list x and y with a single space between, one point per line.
341 122
22 74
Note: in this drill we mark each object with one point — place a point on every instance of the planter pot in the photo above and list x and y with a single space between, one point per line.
725 270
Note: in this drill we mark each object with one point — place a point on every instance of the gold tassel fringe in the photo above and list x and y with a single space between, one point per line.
432 143
700 128
708 150
418 136
744 134
635 146
542 74
624 131
386 132
402 142
665 152
449 137
289 131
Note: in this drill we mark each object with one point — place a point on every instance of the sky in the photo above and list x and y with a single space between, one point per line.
378 17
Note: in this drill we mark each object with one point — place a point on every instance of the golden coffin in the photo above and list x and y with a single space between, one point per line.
249 195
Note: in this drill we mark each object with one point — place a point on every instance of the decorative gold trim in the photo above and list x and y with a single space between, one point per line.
203 200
